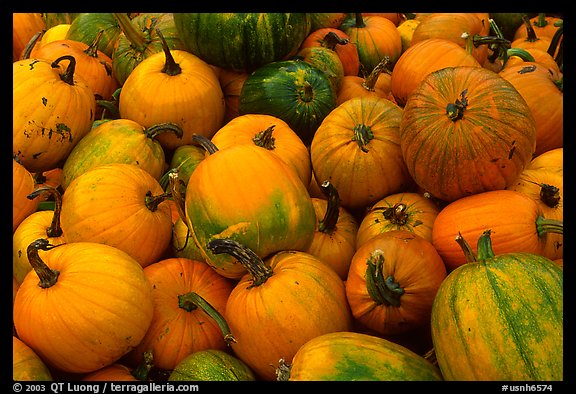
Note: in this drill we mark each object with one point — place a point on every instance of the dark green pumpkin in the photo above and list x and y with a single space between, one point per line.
86 26
292 90
500 318
242 41
211 365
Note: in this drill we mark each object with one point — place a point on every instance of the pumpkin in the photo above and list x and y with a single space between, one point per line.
270 209
51 178
543 92
466 130
186 158
280 304
40 224
24 26
543 25
422 58
93 65
174 86
54 33
320 20
552 159
231 83
338 41
211 365
508 22
119 205
112 373
528 36
118 141
334 241
374 37
409 211
26 365
242 41
292 90
52 19
326 60
189 301
357 149
86 26
500 317
352 356
56 304
540 56
270 133
377 83
53 108
139 39
392 282
516 220
546 188
406 29
22 186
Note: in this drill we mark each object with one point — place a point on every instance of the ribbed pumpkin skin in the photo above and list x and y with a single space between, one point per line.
500 319
552 159
86 26
484 150
49 115
351 356
115 141
211 365
258 201
26 365
242 41
95 280
22 185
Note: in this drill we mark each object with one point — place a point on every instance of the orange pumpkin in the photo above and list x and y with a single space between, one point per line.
540 56
280 304
543 92
543 25
334 241
112 373
516 221
357 149
335 39
118 205
377 83
22 186
529 36
24 26
26 364
189 301
270 133
552 159
392 282
412 212
57 304
231 83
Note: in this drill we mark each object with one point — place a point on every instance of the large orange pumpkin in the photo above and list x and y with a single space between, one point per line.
24 26
466 130
83 307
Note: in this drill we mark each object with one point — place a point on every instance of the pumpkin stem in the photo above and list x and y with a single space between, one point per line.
466 248
485 250
550 195
205 143
555 41
170 66
68 75
545 226
306 94
396 214
531 33
143 369
362 135
328 223
541 20
520 52
48 277
191 301
54 230
157 129
178 192
331 40
136 38
265 139
152 202
370 81
283 371
382 290
30 45
455 111
254 265
359 20
92 49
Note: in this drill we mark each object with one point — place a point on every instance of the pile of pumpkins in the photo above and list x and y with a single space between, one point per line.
314 196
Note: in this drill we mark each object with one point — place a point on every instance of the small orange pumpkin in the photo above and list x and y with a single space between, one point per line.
335 39
377 83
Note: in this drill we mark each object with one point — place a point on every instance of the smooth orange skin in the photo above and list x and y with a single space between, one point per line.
111 373
24 26
22 185
26 364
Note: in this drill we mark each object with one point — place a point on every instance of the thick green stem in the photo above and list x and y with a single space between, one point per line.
54 230
370 81
136 38
143 369
545 226
485 250
359 20
68 75
157 129
191 301
265 139
259 271
384 291
170 66
48 277
328 223
362 135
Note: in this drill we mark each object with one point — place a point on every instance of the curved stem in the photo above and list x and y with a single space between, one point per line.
382 290
331 40
54 230
178 192
32 43
191 301
485 246
170 66
136 38
370 81
328 223
205 143
143 369
531 34
68 75
265 139
152 202
48 277
157 129
545 226
254 265
92 49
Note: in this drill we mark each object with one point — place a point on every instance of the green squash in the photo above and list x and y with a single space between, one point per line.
85 28
292 90
186 158
352 356
242 41
500 317
211 365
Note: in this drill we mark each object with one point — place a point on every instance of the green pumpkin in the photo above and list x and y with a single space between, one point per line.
292 90
52 19
211 365
500 318
242 41
186 158
86 26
